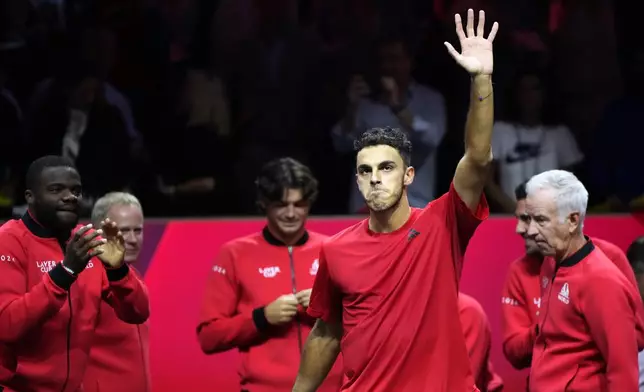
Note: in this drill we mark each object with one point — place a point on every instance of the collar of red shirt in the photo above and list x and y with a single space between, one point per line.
271 239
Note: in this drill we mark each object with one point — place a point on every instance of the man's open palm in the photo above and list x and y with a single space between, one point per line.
476 50
114 247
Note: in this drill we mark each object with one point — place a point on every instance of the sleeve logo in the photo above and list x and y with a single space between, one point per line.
219 269
509 301
314 267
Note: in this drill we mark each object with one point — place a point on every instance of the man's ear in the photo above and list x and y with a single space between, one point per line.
410 172
575 221
29 196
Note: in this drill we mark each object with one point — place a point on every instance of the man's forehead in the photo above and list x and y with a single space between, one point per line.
541 200
129 210
292 195
60 174
374 155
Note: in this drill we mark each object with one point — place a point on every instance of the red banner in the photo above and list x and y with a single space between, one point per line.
183 257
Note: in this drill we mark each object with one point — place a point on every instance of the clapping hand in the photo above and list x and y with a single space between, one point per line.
113 248
81 248
476 50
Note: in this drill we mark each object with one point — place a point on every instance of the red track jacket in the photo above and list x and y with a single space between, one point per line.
521 300
589 330
119 359
47 316
250 273
478 339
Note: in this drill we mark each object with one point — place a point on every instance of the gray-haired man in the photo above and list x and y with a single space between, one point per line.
119 357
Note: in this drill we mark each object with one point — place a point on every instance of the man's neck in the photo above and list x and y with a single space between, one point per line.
59 233
573 247
392 219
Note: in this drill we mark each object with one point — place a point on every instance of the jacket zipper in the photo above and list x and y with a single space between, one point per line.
63 246
294 287
145 365
545 316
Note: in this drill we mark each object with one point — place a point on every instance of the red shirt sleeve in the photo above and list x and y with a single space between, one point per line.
609 310
618 257
221 326
22 310
326 297
519 329
126 293
478 337
460 220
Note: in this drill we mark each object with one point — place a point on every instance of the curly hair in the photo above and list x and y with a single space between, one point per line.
387 136
285 173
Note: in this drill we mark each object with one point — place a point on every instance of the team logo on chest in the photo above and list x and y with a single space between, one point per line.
564 294
269 272
48 265
314 267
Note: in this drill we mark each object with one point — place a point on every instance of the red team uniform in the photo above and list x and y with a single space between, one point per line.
119 359
521 300
589 329
47 316
397 296
478 340
250 273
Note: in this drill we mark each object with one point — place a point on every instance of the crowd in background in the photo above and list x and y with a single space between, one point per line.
181 101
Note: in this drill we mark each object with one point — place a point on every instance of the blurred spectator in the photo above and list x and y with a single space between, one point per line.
11 122
390 97
14 15
80 115
528 142
272 86
586 67
617 145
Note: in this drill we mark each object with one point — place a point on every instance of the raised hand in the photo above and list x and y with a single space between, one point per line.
113 248
476 50
81 248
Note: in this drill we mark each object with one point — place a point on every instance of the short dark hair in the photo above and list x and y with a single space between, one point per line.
387 136
39 165
285 173
520 192
635 255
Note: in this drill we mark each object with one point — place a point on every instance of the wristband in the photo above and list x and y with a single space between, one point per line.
69 270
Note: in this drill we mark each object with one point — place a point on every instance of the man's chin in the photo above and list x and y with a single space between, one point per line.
66 219
290 229
378 206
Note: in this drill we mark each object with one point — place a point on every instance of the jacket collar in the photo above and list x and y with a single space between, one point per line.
271 239
578 256
41 231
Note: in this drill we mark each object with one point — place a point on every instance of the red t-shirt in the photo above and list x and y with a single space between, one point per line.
396 295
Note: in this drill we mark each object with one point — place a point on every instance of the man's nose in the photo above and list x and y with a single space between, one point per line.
532 229
129 236
375 177
290 211
69 196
